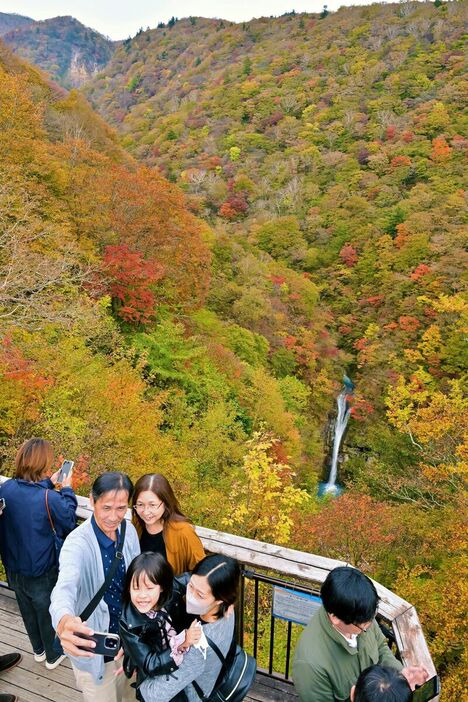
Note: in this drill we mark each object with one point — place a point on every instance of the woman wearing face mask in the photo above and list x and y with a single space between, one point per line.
211 594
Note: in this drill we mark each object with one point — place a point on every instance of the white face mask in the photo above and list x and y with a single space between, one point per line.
195 606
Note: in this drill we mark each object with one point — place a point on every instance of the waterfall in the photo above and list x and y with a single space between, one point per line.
342 417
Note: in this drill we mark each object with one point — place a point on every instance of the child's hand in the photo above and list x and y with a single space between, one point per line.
192 635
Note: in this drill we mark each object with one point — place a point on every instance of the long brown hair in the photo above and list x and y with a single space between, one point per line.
159 485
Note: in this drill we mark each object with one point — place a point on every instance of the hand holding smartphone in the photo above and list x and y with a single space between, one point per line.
106 644
427 691
65 470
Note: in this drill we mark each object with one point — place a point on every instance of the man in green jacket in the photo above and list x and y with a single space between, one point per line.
342 640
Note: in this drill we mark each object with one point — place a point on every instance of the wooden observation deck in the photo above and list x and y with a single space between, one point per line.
31 682
265 565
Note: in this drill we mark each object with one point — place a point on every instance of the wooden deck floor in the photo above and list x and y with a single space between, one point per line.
31 682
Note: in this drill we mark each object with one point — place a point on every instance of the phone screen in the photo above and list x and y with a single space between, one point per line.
427 691
65 469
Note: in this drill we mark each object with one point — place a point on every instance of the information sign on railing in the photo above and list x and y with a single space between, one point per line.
294 606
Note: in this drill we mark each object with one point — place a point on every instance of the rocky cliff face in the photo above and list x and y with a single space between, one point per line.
81 69
70 52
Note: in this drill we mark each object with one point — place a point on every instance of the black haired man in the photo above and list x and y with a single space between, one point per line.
343 639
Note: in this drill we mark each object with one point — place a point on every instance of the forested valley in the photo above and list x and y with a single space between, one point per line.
197 245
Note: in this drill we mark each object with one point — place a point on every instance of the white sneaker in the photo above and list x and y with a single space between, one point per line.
55 664
39 657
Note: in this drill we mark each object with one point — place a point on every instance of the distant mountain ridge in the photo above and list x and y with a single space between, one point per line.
9 22
62 46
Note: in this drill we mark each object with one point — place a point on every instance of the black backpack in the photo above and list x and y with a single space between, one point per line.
236 677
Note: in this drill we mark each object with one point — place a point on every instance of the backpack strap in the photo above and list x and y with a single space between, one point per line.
91 606
224 660
215 648
199 691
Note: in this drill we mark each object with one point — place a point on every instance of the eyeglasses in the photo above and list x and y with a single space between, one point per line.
152 507
362 628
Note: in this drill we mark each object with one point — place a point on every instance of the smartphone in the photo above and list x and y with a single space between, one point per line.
106 644
65 470
426 691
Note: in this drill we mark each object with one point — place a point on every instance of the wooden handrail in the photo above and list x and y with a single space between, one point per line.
400 614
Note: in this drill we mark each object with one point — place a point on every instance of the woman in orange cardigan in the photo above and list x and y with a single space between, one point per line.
161 525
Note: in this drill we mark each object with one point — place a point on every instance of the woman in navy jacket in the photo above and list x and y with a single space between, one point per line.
27 543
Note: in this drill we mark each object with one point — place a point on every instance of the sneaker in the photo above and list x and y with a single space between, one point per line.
8 698
56 663
38 657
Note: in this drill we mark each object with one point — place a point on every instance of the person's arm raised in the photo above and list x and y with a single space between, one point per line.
64 599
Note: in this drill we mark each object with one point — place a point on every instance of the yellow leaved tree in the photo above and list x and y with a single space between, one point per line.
263 497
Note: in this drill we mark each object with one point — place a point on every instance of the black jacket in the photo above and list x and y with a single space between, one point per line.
175 607
145 644
145 640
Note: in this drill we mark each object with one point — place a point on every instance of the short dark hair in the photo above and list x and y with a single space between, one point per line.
111 482
349 595
382 684
222 573
156 569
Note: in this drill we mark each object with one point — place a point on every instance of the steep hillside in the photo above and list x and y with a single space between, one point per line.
9 22
106 345
330 147
66 189
203 330
70 52
328 154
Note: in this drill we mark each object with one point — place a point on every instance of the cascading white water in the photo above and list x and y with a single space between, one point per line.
340 425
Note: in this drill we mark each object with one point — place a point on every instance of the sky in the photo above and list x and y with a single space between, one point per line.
119 19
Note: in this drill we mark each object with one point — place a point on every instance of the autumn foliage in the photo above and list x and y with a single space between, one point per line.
150 217
325 161
131 281
353 528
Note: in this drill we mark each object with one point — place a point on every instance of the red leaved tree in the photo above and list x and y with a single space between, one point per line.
149 215
354 528
348 255
131 280
441 151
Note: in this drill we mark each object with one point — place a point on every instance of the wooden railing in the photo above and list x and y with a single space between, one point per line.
311 569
